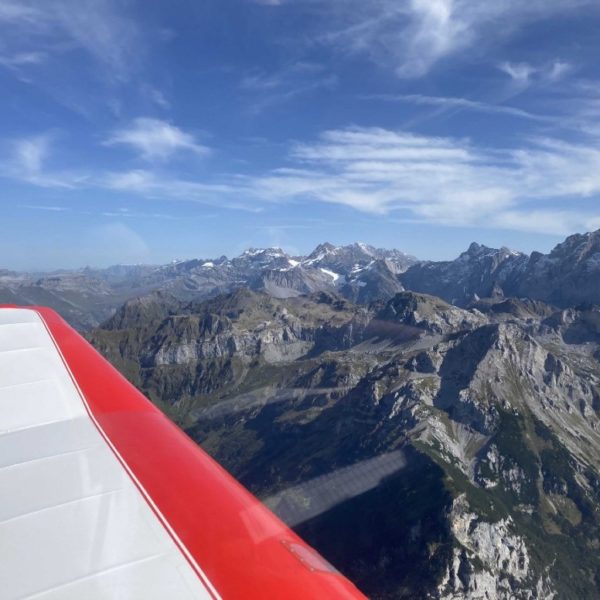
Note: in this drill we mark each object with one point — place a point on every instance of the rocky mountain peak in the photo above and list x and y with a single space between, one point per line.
475 249
478 251
578 247
257 252
321 250
142 310
428 314
366 248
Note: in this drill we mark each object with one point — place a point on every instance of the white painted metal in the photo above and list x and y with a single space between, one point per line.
72 523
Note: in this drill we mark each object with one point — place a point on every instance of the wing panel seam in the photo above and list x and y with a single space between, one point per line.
172 533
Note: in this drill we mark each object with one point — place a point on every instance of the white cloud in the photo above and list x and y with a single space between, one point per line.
156 96
30 153
156 139
290 76
22 58
45 207
443 180
27 162
546 185
446 102
559 69
377 170
282 96
151 185
17 12
553 221
411 37
279 86
99 27
518 72
435 30
523 73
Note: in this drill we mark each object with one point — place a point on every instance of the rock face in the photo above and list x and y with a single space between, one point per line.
378 280
568 276
477 273
490 544
427 313
428 451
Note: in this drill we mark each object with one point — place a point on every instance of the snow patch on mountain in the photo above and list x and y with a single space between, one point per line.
334 276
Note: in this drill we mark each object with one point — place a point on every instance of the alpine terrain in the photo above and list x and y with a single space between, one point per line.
89 296
433 429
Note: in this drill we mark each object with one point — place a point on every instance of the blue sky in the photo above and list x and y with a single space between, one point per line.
151 130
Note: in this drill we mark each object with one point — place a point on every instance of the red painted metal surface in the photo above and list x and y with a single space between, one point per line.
239 545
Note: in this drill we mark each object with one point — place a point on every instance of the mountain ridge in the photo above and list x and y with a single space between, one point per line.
567 276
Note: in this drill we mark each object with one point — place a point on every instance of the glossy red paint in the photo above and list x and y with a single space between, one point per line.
227 535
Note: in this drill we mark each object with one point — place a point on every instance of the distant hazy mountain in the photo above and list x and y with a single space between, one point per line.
568 276
89 296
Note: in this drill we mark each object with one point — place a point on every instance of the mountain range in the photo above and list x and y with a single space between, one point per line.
432 428
569 275
87 297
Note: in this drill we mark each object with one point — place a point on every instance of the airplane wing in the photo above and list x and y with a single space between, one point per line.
102 496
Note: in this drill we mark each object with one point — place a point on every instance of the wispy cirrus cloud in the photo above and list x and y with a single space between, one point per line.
126 213
21 59
391 173
259 79
518 72
377 170
447 181
18 12
523 74
98 27
45 207
234 194
27 162
89 56
412 37
31 152
558 69
446 102
268 88
155 139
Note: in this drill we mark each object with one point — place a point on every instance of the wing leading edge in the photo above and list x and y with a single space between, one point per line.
104 497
